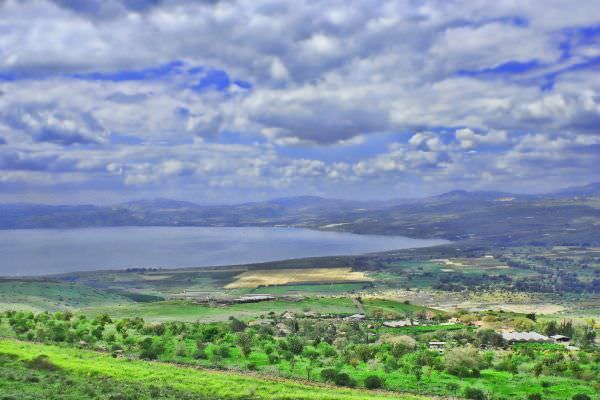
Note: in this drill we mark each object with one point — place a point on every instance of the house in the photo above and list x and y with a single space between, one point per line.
524 337
437 346
400 323
253 298
560 338
355 317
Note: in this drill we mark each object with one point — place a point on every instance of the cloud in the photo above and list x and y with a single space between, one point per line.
265 97
44 123
468 139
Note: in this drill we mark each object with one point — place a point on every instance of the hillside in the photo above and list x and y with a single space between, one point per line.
118 378
571 216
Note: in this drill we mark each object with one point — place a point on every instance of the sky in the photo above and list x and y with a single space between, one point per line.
232 101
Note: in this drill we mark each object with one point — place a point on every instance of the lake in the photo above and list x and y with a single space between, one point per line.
48 251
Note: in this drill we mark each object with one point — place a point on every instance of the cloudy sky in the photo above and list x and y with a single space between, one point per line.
227 101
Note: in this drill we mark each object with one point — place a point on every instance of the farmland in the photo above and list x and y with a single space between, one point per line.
258 277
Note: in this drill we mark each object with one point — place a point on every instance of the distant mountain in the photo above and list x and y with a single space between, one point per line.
463 195
500 218
157 204
593 189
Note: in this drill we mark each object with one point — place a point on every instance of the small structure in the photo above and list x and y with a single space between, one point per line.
524 337
253 298
355 317
560 338
400 323
437 346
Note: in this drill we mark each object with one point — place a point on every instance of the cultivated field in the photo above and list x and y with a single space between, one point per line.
258 277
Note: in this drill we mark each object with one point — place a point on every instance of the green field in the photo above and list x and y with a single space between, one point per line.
187 311
81 374
41 296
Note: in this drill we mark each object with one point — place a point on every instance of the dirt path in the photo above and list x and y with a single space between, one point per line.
359 305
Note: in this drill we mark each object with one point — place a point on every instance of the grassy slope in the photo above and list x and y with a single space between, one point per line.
42 296
82 365
187 311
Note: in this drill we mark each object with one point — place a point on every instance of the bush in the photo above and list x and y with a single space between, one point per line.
373 382
581 396
474 394
42 362
343 379
328 374
463 361
534 396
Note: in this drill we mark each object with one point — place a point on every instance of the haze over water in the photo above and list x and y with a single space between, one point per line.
49 251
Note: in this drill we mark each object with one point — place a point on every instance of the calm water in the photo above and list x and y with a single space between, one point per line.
46 251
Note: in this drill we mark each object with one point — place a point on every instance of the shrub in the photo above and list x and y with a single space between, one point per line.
328 374
474 393
223 351
581 396
42 362
343 379
373 382
452 387
237 325
534 396
464 361
295 344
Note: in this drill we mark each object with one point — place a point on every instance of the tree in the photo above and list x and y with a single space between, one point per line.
244 342
523 324
488 337
551 328
463 361
295 344
418 372
237 325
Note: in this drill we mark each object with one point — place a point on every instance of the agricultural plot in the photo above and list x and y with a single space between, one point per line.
256 278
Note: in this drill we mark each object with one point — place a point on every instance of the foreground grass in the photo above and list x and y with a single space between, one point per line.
91 375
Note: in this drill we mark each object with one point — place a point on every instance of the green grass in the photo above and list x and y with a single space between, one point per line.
423 329
337 288
190 312
391 307
92 372
42 296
